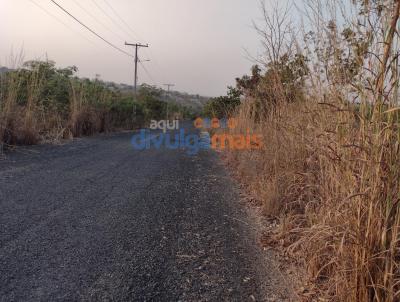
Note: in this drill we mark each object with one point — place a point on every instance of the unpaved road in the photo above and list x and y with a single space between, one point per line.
95 220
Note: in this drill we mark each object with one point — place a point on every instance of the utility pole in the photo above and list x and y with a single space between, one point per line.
136 45
169 87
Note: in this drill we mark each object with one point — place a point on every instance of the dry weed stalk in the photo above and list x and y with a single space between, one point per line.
330 167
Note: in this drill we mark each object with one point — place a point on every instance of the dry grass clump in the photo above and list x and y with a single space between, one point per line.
39 102
330 165
18 124
333 179
84 119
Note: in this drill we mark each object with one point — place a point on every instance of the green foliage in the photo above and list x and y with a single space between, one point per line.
54 83
282 81
42 98
223 106
150 99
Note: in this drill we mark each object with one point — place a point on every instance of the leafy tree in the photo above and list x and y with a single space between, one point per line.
223 106
151 99
282 81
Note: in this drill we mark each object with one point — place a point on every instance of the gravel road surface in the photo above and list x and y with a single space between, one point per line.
96 220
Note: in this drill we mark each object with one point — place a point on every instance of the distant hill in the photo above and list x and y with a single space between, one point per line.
4 70
194 101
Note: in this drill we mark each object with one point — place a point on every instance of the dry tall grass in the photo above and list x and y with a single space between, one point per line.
39 102
19 124
330 167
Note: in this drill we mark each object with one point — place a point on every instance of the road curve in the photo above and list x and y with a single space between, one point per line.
96 220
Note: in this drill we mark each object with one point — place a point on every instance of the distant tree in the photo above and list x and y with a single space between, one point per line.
151 99
223 106
283 81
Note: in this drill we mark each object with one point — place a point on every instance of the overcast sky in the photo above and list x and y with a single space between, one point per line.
196 44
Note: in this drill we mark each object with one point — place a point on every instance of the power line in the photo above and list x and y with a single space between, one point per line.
148 73
89 29
96 34
111 18
121 19
147 50
97 20
133 32
62 22
154 60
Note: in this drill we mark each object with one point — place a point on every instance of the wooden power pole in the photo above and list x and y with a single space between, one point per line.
137 46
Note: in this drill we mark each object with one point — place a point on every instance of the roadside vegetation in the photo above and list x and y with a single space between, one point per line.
42 103
220 107
325 97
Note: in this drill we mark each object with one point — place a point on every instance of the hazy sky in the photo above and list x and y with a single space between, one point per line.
196 44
